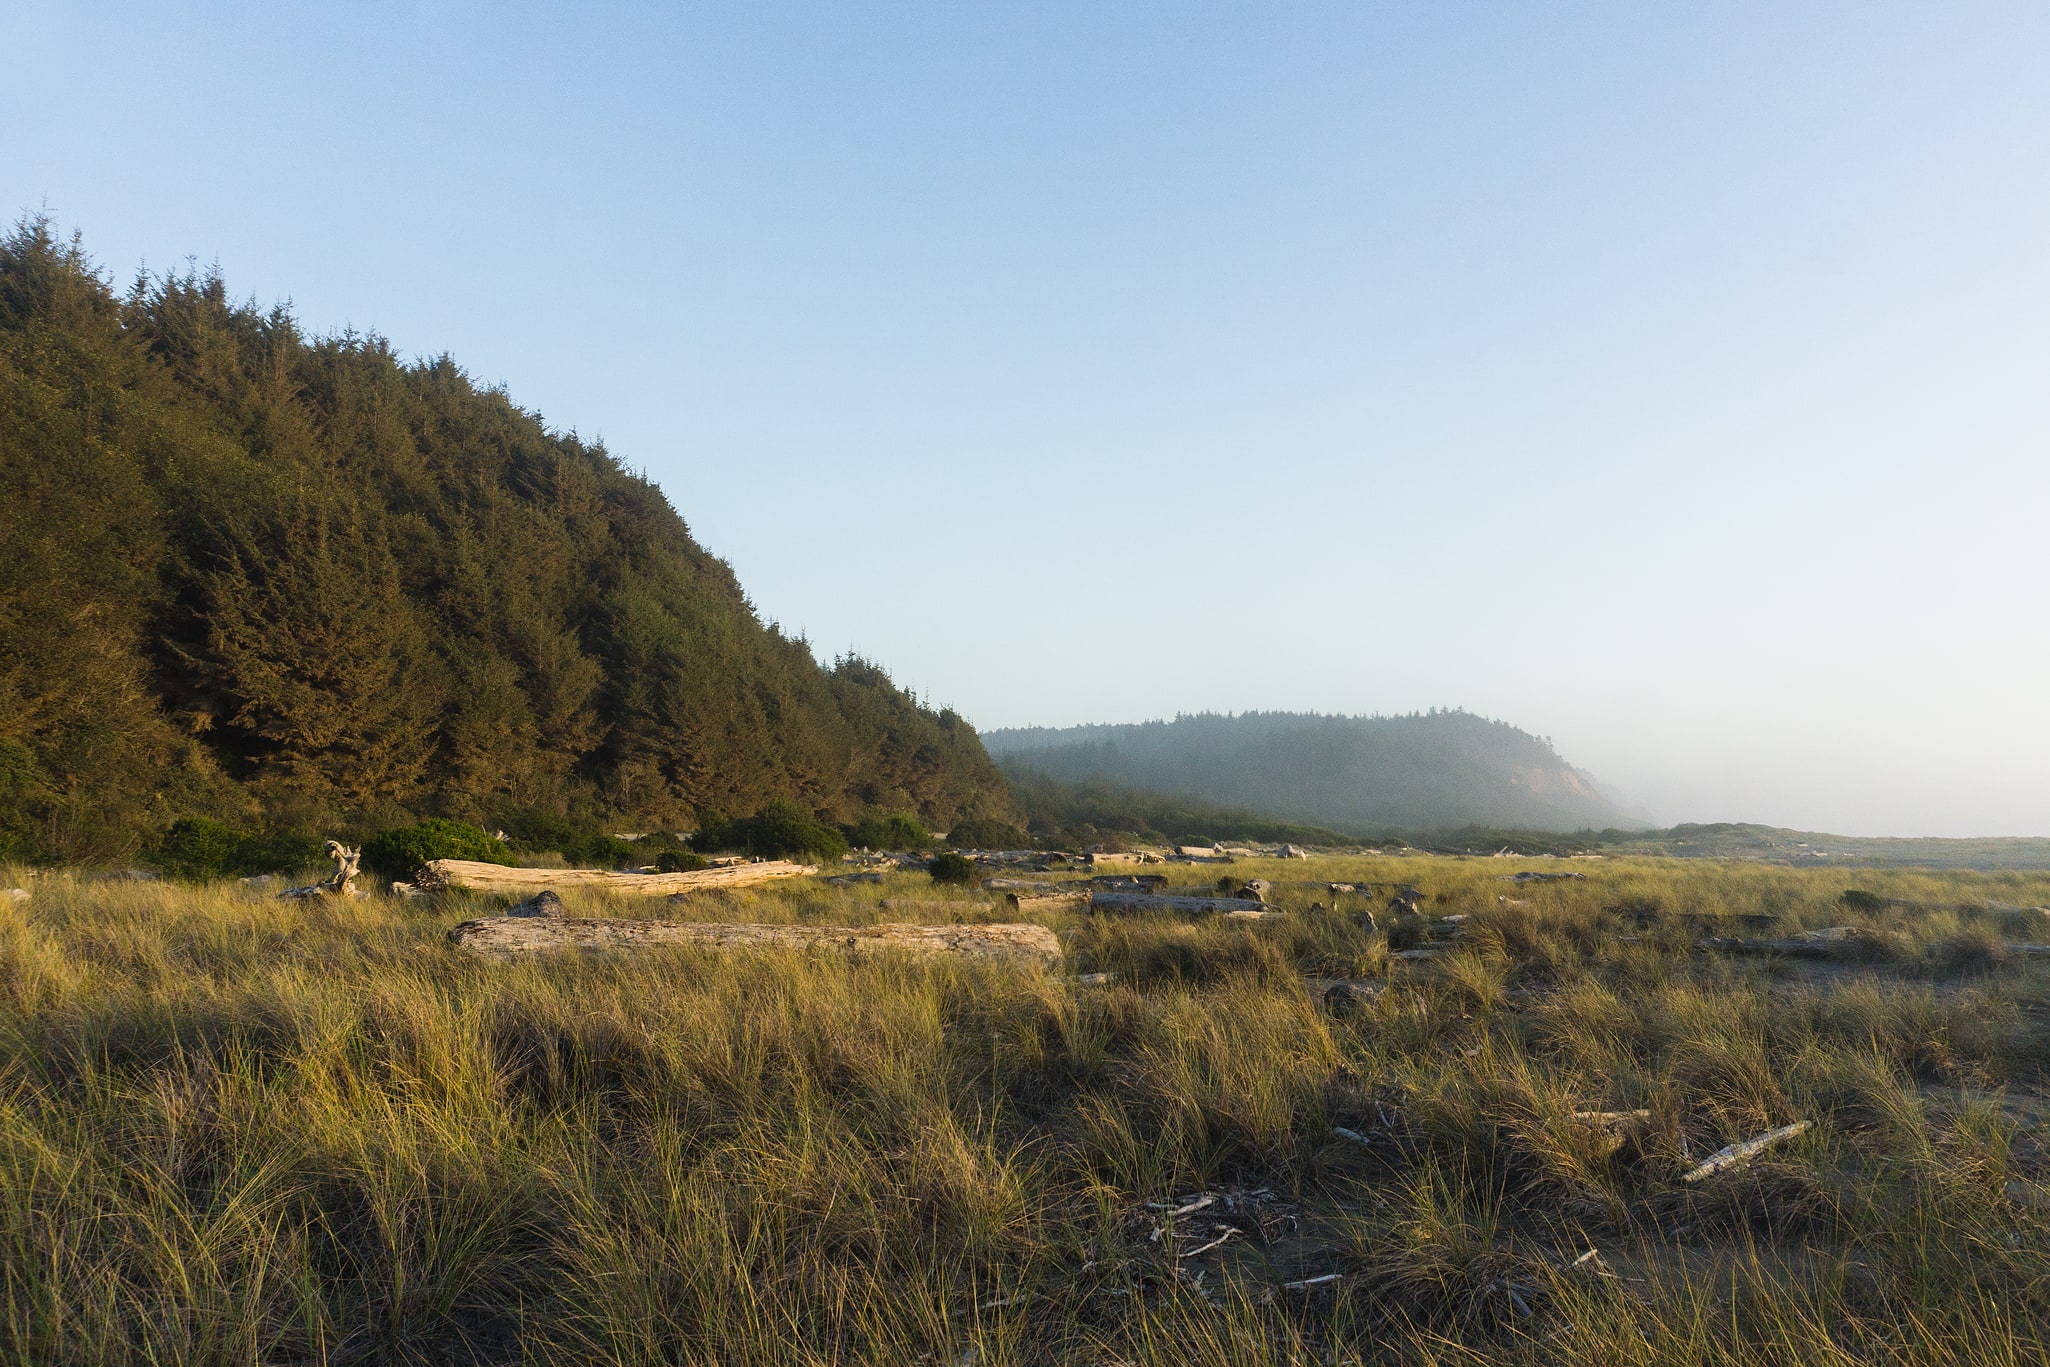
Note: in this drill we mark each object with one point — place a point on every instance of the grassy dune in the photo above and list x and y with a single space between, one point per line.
234 1130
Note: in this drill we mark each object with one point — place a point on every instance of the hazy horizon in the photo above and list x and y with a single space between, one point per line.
1668 383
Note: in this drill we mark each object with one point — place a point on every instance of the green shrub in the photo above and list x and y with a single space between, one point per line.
986 833
780 830
601 852
196 847
400 854
952 868
680 861
897 831
531 832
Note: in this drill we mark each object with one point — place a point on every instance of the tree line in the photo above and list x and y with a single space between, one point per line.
288 581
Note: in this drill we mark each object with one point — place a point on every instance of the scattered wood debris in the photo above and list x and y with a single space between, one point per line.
1105 859
1739 1153
514 936
848 880
1531 876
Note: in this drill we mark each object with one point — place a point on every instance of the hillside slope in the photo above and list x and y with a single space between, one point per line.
1429 771
251 573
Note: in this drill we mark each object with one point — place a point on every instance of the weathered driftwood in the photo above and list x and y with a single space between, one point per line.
1344 996
930 904
1107 860
515 936
543 903
340 883
846 880
1025 885
1738 1153
1200 906
1613 1129
1046 903
1813 944
472 876
1129 882
1531 876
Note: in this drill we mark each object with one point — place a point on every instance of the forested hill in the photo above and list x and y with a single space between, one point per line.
249 573
1430 771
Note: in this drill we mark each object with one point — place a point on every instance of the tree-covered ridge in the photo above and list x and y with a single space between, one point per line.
249 572
1438 770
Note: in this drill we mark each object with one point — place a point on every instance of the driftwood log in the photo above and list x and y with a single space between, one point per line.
472 876
517 936
1122 860
1047 903
340 883
933 904
1738 1153
1199 906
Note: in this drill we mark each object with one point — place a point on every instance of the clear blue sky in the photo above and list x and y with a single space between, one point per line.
1670 380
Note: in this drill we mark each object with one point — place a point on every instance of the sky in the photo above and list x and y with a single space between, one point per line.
1669 380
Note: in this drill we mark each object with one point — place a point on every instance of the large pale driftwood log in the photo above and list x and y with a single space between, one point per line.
1044 903
472 876
514 936
1201 906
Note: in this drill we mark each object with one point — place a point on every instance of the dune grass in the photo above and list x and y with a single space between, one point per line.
239 1130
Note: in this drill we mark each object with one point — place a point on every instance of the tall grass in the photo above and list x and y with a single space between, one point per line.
238 1130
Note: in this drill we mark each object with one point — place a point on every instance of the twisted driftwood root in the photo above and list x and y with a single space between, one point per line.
341 883
517 936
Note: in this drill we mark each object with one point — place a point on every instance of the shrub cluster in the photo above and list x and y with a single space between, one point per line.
400 854
894 831
780 830
196 847
956 869
986 833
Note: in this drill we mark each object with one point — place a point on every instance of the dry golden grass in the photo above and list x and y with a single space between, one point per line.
237 1130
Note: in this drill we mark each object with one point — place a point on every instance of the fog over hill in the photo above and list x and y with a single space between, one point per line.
1435 770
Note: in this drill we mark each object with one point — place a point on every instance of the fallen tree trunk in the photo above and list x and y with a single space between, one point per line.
933 904
516 936
472 876
1200 906
1046 903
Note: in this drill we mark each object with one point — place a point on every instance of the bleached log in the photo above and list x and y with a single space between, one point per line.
1107 860
472 876
1047 903
930 904
1750 1148
517 936
1199 906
